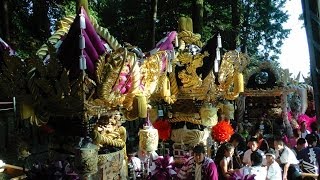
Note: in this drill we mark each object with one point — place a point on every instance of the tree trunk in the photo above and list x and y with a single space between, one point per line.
5 20
154 8
245 27
197 16
235 24
41 22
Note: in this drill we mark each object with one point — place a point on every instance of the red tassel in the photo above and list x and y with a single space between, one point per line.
222 131
164 129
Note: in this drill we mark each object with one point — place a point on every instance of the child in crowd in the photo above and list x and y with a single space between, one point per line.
224 161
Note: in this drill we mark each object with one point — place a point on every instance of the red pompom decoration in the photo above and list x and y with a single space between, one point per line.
222 131
164 129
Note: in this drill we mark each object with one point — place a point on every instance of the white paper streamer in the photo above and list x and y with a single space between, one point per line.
82 63
218 56
176 43
219 41
82 21
216 66
81 42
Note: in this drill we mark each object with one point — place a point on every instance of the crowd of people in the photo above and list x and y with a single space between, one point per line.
257 156
276 163
274 158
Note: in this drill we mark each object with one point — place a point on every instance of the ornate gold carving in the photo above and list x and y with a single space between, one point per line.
150 72
189 76
200 93
108 132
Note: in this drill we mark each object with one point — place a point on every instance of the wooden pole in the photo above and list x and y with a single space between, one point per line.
235 23
311 11
197 16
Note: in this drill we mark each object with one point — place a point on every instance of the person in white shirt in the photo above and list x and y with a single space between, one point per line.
274 170
259 172
287 160
253 144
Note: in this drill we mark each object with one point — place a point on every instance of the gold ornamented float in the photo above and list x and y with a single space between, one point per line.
83 85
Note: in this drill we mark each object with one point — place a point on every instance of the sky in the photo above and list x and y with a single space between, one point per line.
295 52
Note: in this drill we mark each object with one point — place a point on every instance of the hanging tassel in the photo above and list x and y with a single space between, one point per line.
166 87
240 82
142 106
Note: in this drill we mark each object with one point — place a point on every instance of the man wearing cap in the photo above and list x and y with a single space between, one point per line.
199 167
274 170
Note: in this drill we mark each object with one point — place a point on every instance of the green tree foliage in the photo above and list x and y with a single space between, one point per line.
264 33
258 28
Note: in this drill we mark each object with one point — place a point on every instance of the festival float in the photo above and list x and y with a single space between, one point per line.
82 85
272 100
